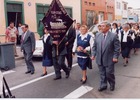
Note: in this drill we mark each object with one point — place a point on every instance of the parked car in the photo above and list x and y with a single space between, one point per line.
93 30
38 49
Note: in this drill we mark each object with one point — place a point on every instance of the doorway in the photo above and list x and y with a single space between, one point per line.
15 17
14 13
41 11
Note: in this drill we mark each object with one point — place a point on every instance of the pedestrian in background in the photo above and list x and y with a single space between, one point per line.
28 48
115 28
47 52
11 35
126 38
82 45
106 49
119 26
136 45
99 28
20 32
77 27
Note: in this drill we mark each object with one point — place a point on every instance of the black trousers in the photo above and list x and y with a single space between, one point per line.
59 63
106 75
69 57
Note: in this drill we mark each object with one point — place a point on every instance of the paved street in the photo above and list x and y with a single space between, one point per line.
34 86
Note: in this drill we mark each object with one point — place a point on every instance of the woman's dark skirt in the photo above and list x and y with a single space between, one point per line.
47 62
83 63
125 50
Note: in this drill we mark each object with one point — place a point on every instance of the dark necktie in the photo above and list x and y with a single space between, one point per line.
102 48
103 41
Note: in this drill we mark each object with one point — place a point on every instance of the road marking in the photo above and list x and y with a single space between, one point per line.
78 92
35 80
8 72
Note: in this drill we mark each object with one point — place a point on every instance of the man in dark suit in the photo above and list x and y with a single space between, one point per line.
59 52
106 49
28 47
69 45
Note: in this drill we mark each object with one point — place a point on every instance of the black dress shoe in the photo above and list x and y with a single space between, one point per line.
27 72
32 73
44 74
67 74
127 62
112 88
84 81
102 89
57 78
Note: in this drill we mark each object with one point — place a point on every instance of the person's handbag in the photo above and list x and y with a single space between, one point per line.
89 63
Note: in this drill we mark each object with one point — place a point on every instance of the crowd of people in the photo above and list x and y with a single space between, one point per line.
104 46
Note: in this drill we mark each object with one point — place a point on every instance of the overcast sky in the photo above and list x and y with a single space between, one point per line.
133 3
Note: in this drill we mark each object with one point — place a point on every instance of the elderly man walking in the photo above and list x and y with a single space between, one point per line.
106 49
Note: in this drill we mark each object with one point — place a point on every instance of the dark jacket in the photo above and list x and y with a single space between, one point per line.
71 37
47 47
61 48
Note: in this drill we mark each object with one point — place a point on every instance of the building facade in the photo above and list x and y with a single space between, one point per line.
95 11
118 10
124 11
32 11
133 14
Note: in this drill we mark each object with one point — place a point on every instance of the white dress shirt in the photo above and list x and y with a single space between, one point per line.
24 35
125 36
20 31
45 37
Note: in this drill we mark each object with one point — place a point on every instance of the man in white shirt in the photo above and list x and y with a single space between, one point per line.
20 32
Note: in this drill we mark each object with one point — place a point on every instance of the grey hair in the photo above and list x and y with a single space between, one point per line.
106 23
125 26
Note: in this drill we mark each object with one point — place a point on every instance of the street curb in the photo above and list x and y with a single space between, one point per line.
19 58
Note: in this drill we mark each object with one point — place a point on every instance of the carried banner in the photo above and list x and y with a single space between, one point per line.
57 21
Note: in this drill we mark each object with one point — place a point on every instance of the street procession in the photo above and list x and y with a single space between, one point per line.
77 49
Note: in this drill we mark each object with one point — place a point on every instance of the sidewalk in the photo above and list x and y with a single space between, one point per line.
20 54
